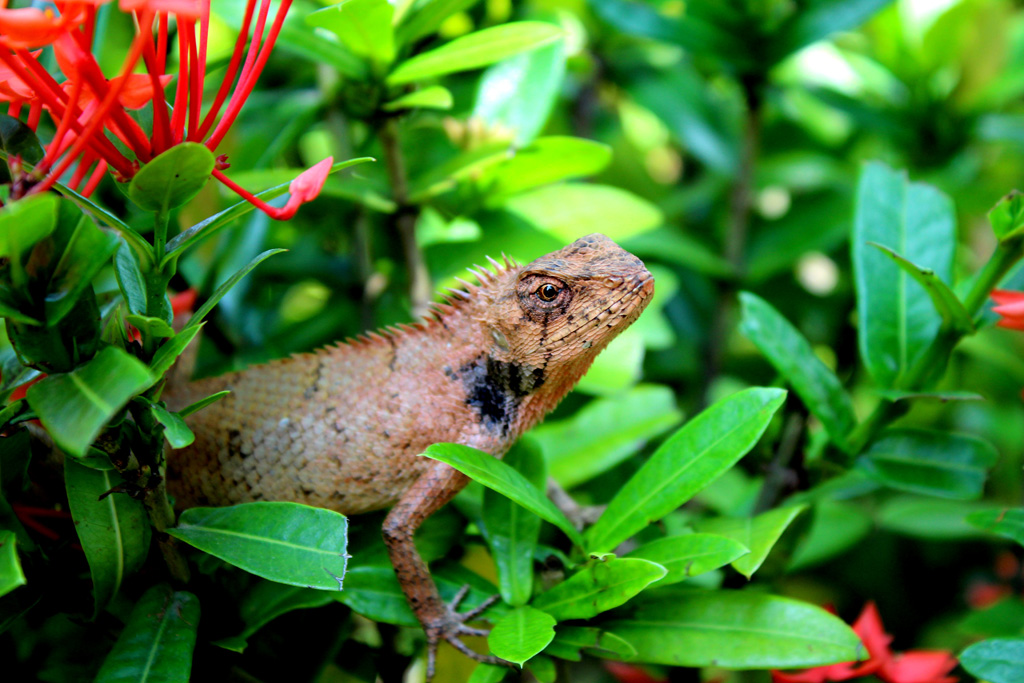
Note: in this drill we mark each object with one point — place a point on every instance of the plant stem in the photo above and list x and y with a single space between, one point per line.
161 220
404 218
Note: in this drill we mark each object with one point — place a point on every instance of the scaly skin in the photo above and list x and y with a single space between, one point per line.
341 428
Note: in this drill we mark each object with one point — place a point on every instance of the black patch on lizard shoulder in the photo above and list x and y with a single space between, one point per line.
495 389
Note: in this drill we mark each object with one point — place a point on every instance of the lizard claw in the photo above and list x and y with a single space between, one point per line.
453 625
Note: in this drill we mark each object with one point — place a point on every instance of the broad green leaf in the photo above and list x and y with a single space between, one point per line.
215 223
759 534
22 224
946 302
169 351
688 461
836 527
543 668
176 431
267 601
494 474
1004 618
1008 522
896 319
173 178
86 252
302 40
284 542
475 50
17 139
997 660
433 97
205 309
1007 217
818 20
488 673
466 165
921 517
114 531
605 432
74 406
521 634
571 640
737 630
427 17
518 93
544 161
930 462
157 642
130 279
512 530
690 554
375 593
11 575
792 356
362 26
602 584
560 210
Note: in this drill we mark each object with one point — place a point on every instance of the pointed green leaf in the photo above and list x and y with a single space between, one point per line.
157 642
688 461
175 430
374 592
11 575
114 531
205 309
87 250
560 210
1008 522
604 583
172 178
23 224
544 161
494 474
427 17
284 542
362 26
433 97
1007 217
837 526
737 630
792 356
17 139
475 50
690 554
74 406
169 351
202 403
946 302
150 327
931 518
521 634
758 533
571 640
997 660
818 20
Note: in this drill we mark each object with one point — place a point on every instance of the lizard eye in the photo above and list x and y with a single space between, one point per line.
547 292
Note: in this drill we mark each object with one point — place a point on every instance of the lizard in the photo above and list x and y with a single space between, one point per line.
341 427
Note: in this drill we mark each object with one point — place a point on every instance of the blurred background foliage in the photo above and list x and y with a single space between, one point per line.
719 141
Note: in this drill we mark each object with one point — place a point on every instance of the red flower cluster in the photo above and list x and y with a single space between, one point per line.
1010 306
87 108
915 666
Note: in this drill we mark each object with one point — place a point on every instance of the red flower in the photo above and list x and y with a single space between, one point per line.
87 107
915 666
1010 307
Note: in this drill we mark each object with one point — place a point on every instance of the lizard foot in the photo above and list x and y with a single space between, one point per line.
452 625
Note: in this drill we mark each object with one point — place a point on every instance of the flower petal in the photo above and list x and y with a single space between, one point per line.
919 666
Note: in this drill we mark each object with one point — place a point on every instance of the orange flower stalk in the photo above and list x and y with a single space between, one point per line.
88 109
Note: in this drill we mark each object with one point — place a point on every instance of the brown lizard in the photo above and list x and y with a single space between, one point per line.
341 428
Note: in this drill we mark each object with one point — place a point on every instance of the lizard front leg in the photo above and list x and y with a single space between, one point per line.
435 487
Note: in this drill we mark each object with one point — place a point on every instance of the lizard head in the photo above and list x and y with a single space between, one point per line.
546 321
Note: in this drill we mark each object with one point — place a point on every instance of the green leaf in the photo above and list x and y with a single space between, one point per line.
130 279
475 50
267 601
433 97
737 630
488 673
947 304
604 583
23 224
427 17
511 530
688 461
930 462
521 634
560 210
114 531
217 222
175 430
1008 522
17 139
792 356
941 396
284 542
997 660
758 533
169 351
1004 618
930 518
86 252
836 528
544 161
571 640
896 319
605 432
362 26
518 93
74 406
202 403
464 166
374 592
819 20
11 575
172 178
494 474
205 309
690 554
157 642
302 40
1007 217
150 327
